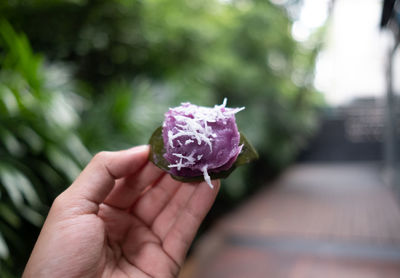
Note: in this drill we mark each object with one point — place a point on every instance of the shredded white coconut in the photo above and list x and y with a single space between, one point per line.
190 160
206 176
187 142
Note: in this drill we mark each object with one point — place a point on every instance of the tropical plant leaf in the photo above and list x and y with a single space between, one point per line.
157 151
9 215
4 252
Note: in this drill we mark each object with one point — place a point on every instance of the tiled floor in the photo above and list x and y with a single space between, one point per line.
318 220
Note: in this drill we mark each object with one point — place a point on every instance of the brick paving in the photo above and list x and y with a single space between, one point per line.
317 220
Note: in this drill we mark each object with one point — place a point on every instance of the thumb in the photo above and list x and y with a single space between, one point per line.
98 178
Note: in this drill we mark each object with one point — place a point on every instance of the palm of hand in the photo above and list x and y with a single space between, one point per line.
132 247
137 235
141 226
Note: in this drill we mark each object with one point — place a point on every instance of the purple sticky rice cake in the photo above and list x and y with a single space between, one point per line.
200 140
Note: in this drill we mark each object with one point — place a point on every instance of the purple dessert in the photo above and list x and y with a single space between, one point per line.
200 140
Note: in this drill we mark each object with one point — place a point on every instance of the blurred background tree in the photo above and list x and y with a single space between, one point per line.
109 70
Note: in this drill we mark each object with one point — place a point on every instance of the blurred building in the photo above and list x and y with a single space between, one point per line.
359 73
353 132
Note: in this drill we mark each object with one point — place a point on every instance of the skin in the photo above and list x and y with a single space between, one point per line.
122 217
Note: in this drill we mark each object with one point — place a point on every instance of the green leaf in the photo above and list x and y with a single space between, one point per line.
9 215
18 186
7 180
4 252
63 162
157 151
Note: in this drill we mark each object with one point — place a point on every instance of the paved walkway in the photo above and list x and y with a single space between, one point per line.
318 220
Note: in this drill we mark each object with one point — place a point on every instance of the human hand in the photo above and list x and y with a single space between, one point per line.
122 217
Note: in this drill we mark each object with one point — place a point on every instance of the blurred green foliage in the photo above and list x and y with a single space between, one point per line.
40 149
113 67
